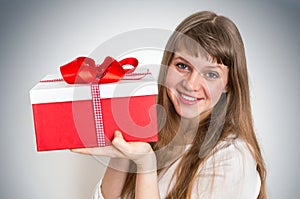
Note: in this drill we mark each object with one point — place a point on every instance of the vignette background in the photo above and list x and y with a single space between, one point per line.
36 37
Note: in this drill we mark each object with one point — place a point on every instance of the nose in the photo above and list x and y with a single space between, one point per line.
193 82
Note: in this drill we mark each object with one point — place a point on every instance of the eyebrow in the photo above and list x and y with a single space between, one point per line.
206 66
179 57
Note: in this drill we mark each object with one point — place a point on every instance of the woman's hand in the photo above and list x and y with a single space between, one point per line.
139 152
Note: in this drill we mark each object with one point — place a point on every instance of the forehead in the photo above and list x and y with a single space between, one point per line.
190 46
198 62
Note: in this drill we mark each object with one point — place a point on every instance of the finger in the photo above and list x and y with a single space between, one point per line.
130 148
120 143
81 151
118 140
108 151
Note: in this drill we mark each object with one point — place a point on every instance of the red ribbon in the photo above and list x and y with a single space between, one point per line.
83 70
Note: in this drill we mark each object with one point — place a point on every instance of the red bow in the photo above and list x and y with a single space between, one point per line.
83 70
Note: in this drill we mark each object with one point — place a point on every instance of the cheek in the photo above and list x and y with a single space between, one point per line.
172 79
215 91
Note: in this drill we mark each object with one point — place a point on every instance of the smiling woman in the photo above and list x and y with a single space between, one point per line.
207 146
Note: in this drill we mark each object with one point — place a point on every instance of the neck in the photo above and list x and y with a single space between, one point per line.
187 130
189 127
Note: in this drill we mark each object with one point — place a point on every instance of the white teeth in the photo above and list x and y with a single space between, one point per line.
188 97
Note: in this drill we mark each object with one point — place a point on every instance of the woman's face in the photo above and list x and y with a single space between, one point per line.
195 84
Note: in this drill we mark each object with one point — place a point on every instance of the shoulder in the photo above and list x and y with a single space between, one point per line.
235 147
231 154
230 168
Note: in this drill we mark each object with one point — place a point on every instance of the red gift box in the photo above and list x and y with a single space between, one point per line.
87 115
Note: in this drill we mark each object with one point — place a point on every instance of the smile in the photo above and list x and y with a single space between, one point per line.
189 99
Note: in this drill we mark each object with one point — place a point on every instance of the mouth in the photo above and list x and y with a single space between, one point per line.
187 99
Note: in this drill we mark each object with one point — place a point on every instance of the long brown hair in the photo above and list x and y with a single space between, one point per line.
221 40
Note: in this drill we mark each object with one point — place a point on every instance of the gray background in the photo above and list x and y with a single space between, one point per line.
38 36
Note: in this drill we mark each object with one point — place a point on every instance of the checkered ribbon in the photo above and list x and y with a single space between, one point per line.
95 90
98 114
127 76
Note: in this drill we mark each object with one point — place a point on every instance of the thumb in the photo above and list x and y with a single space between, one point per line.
118 134
119 141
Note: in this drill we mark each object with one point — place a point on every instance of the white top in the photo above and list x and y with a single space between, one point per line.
229 174
51 89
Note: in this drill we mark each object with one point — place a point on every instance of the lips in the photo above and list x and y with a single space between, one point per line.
187 99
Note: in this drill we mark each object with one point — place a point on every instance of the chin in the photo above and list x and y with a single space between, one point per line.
188 115
193 114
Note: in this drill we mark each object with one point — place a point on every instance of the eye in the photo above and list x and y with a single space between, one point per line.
212 75
182 66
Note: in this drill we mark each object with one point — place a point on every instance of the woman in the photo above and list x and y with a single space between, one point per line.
207 146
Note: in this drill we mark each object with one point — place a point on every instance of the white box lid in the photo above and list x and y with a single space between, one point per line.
60 91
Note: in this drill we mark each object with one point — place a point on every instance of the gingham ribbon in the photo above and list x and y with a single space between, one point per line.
98 114
127 76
